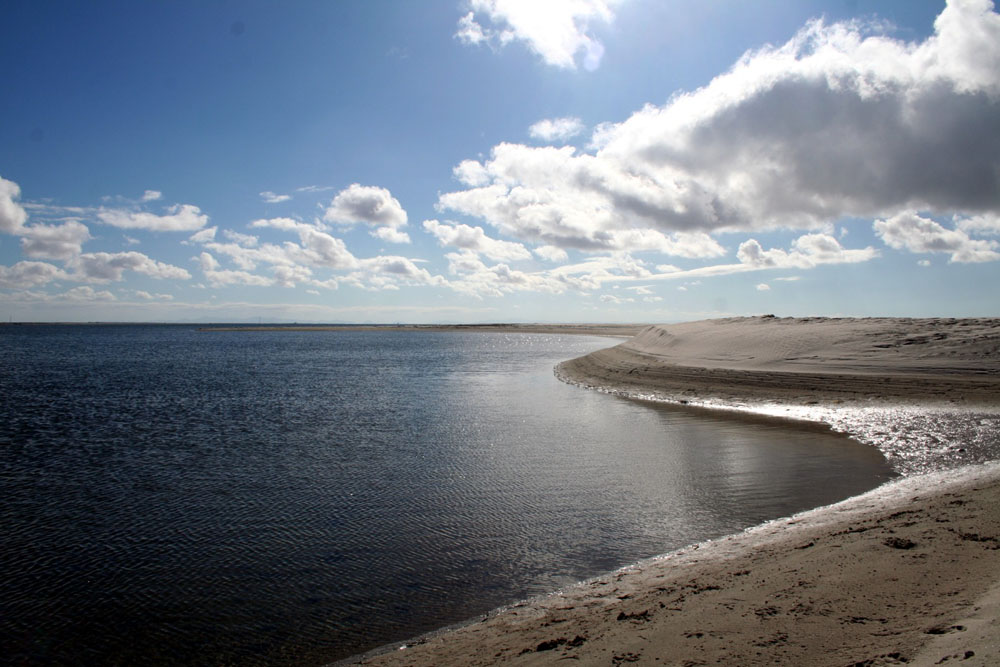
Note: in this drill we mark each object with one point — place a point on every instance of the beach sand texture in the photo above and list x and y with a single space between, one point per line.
805 360
906 574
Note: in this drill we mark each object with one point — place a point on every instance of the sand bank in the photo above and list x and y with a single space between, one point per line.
906 574
804 360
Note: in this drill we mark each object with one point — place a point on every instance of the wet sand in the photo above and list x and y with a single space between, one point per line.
906 574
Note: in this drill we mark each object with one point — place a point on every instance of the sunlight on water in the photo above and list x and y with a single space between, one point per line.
297 497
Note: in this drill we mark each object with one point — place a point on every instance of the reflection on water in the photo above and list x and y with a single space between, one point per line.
269 498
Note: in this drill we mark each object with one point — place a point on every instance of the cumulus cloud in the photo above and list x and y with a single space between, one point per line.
245 240
839 121
12 214
151 195
475 239
556 30
389 272
807 252
219 277
142 294
911 231
554 196
551 253
85 293
370 205
391 234
763 287
556 129
103 267
179 218
29 274
284 224
988 223
62 242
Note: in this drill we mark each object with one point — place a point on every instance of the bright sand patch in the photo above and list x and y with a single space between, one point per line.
908 572
802 360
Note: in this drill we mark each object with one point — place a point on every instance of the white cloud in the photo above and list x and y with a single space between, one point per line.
221 277
204 236
142 294
272 198
475 239
12 214
179 218
476 278
556 129
838 122
63 241
470 32
29 274
916 233
245 240
85 293
988 223
807 252
763 287
102 267
556 30
370 205
391 234
471 173
556 197
151 195
284 224
551 253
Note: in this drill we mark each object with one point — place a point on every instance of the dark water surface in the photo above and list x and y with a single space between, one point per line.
297 497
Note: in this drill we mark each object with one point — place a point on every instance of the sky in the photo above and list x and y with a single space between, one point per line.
498 160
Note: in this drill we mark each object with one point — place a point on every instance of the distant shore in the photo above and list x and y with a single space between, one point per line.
615 330
908 573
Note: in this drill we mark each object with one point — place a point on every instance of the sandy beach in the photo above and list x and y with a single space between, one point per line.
906 574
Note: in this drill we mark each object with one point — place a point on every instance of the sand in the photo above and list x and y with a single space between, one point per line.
805 360
906 574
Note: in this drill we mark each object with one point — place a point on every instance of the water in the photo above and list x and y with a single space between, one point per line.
289 497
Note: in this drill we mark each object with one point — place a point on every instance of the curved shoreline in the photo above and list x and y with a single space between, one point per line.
904 573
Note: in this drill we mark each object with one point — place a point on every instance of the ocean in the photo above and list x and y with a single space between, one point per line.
284 497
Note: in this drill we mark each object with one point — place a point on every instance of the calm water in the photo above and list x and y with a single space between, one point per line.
286 497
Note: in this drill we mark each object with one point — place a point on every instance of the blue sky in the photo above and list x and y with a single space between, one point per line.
498 160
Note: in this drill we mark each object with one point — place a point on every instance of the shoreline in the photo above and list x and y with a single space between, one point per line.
608 330
907 572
